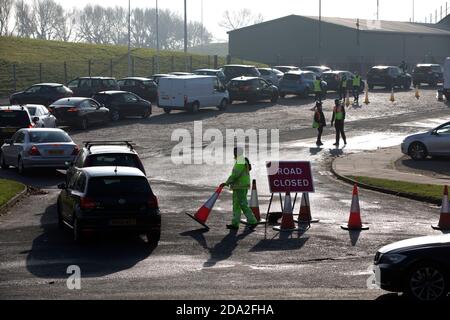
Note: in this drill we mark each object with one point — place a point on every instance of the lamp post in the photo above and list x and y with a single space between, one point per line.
185 35
157 38
129 38
320 32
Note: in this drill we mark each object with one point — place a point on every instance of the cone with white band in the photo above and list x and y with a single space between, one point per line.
354 222
444 222
203 213
304 216
287 221
254 205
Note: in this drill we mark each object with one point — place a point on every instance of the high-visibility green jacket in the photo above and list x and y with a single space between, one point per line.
357 81
240 177
317 86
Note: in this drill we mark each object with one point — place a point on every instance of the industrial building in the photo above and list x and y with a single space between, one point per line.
351 44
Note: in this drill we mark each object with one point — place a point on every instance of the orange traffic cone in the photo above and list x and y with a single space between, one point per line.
444 222
417 94
392 99
202 215
304 217
354 223
254 205
287 221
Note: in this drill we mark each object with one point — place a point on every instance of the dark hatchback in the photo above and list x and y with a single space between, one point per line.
234 70
144 87
79 112
123 104
88 86
418 267
12 119
43 93
105 199
388 77
252 89
432 74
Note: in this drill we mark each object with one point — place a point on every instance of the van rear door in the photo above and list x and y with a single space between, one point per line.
447 74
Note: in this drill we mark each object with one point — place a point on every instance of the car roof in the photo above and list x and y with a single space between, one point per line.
207 70
42 130
190 77
95 172
136 78
13 108
110 149
317 67
383 67
75 99
48 84
238 65
299 72
428 65
245 78
286 67
162 75
33 106
336 71
102 78
112 92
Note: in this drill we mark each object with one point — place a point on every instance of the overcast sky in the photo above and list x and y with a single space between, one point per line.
213 9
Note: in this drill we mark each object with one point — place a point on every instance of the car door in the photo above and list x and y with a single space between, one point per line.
439 143
84 88
8 149
30 95
48 119
14 150
74 86
266 89
131 106
68 197
99 112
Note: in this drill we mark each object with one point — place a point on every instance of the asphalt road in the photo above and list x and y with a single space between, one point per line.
324 262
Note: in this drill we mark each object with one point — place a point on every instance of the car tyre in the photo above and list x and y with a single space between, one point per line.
147 114
115 115
3 164
418 151
274 98
282 95
427 282
77 233
223 105
167 110
153 238
20 167
194 107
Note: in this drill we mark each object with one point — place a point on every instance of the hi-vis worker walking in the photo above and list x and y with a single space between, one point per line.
239 182
319 122
338 119
318 89
343 88
356 87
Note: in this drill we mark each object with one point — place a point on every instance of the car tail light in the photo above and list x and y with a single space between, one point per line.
76 150
87 204
153 202
34 151
72 110
30 126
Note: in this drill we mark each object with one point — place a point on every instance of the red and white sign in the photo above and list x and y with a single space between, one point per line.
290 176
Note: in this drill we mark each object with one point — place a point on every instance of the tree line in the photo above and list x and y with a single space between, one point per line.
48 20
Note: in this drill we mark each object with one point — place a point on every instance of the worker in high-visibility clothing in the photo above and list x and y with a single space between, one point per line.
338 119
318 89
356 87
239 182
343 87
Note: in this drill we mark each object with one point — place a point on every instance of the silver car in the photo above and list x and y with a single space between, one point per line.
41 116
432 143
273 76
38 148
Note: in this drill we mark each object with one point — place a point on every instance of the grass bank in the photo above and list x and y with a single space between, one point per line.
8 190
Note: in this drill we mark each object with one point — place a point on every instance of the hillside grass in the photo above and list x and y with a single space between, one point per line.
42 60
8 190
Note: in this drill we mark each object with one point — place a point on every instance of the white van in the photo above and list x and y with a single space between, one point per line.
447 79
191 93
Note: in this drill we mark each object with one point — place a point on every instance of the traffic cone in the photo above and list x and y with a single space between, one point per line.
347 99
202 215
254 205
354 223
417 95
287 221
305 211
366 100
444 222
392 96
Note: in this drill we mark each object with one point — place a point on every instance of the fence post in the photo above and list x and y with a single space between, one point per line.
89 67
216 62
40 72
111 68
228 59
14 78
172 63
132 66
190 64
153 65
65 72
209 61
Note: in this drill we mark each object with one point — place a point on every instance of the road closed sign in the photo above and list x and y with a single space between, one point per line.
290 176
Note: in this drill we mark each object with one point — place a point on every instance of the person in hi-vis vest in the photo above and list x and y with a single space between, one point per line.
356 87
319 122
318 91
338 119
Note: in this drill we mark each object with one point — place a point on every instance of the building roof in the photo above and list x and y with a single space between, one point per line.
371 25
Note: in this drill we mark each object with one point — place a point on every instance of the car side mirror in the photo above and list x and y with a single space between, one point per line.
35 119
434 133
62 186
68 164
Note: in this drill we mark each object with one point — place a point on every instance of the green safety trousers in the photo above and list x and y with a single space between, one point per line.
240 205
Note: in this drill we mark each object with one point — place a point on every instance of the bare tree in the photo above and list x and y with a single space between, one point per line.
46 15
65 24
118 20
5 12
198 35
93 25
24 26
233 20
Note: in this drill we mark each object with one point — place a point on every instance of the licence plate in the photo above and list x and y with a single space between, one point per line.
56 152
123 222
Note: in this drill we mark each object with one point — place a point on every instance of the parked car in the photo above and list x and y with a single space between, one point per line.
41 117
272 76
286 69
191 93
79 112
334 78
105 154
318 70
211 72
43 93
13 118
88 86
431 74
157 77
432 143
38 148
144 87
300 83
418 267
102 199
446 88
180 74
234 71
388 77
252 89
123 104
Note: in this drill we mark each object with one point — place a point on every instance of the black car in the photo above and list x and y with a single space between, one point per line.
79 112
88 86
388 77
252 89
233 71
102 199
419 267
431 74
123 104
12 119
143 87
43 93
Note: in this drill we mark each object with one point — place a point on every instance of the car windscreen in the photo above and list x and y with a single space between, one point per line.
101 186
292 77
14 118
329 76
66 102
31 110
378 71
49 137
234 72
113 160
436 69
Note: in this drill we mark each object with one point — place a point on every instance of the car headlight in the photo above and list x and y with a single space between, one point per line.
393 258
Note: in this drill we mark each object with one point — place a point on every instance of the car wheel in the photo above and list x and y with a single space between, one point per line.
274 98
115 115
407 85
153 238
223 105
147 114
282 95
230 101
427 282
21 167
77 234
167 110
194 107
84 124
3 164
418 151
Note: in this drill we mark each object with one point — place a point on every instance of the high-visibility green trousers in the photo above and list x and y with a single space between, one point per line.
240 205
